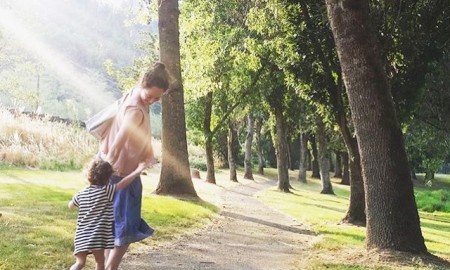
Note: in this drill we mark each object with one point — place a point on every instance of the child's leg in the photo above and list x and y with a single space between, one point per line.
81 261
99 255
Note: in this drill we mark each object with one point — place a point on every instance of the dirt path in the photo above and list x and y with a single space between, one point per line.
247 235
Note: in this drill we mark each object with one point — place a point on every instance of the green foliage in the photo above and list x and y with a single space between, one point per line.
425 156
431 201
198 163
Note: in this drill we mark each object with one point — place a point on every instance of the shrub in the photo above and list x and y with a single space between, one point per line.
436 200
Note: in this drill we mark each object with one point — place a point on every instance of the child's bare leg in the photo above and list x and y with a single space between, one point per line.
81 261
99 255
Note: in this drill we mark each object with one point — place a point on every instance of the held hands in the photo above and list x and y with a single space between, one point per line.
141 166
150 162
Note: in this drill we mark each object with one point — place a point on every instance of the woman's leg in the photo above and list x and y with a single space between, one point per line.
81 261
99 255
115 257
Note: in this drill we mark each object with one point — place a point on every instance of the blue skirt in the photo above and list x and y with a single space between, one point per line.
129 227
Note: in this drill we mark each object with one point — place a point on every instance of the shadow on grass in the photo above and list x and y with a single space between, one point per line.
439 227
267 223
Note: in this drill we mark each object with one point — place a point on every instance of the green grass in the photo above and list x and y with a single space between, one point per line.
435 198
324 213
37 227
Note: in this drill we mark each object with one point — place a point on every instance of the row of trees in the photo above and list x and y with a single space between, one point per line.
295 66
366 80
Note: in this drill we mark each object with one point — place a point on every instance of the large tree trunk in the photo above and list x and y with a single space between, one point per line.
314 158
232 141
323 155
175 178
279 139
392 216
210 170
248 171
303 158
281 152
259 151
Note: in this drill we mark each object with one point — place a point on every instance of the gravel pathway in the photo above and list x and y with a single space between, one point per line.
247 235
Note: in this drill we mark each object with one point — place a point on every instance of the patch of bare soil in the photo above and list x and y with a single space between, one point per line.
246 235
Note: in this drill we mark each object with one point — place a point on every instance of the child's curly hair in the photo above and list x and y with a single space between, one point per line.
99 172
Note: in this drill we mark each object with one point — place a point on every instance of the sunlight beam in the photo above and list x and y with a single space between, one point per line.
52 59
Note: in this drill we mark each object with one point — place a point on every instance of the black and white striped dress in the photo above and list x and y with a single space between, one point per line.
95 218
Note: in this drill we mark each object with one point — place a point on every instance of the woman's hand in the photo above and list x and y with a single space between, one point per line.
142 166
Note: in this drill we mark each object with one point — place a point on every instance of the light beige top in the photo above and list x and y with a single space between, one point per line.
137 147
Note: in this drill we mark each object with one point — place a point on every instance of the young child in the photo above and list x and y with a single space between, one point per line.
94 231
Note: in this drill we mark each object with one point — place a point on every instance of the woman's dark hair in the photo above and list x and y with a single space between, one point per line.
156 76
99 172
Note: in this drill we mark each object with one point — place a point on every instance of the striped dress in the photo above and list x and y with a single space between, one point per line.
95 218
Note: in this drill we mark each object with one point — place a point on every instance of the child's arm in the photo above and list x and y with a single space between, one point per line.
129 178
74 202
71 205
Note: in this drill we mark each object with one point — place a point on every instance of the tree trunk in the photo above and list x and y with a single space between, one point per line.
338 165
281 152
345 180
279 139
323 155
210 170
356 213
248 172
175 178
232 140
303 157
392 216
259 151
314 158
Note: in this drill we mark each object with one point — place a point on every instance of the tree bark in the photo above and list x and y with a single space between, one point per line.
210 170
345 180
303 158
323 156
248 171
279 139
356 213
175 178
232 141
392 217
338 165
259 151
314 158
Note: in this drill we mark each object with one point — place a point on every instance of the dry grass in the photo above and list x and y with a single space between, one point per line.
40 143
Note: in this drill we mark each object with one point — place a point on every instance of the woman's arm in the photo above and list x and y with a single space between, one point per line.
129 178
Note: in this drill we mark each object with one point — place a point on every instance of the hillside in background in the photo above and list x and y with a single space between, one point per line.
53 53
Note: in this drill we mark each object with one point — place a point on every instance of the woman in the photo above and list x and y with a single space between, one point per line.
126 145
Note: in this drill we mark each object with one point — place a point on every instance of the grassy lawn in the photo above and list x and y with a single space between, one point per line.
324 212
37 228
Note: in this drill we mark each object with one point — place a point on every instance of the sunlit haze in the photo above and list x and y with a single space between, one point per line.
52 59
71 41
